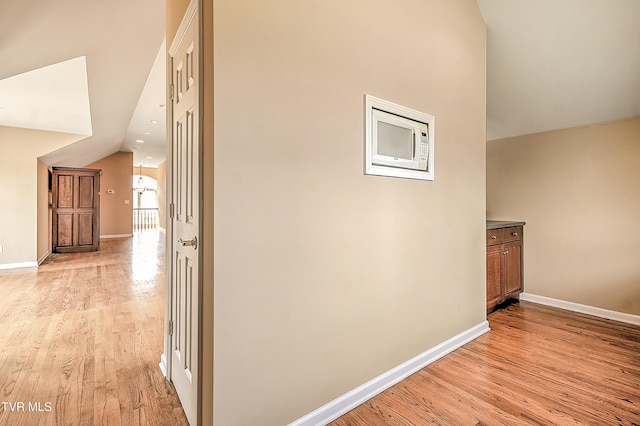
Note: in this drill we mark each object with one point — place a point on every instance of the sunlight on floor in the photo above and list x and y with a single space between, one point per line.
146 251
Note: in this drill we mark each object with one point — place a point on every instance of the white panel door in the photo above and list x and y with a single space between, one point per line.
185 221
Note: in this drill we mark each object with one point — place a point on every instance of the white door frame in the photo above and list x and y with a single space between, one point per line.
165 358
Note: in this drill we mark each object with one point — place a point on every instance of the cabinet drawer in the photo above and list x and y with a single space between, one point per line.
495 236
513 233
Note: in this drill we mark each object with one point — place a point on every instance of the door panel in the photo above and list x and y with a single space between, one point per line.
65 229
65 191
85 229
494 294
185 223
85 192
512 268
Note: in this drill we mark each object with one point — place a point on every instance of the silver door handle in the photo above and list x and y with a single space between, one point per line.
189 243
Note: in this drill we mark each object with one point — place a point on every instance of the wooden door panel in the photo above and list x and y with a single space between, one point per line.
512 269
65 229
494 294
65 192
85 229
85 192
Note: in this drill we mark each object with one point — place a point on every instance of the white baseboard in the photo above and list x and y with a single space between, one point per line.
163 365
161 229
106 237
583 309
19 265
357 396
43 257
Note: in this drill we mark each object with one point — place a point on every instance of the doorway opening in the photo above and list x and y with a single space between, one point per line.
145 203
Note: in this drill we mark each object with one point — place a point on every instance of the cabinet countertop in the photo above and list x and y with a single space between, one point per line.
496 224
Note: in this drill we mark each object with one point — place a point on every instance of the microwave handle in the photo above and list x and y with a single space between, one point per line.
415 141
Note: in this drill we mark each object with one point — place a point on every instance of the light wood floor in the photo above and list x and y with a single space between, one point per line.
538 365
81 338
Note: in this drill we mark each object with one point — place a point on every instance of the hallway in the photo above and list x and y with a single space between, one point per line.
81 338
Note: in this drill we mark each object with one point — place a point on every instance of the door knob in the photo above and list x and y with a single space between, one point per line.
189 243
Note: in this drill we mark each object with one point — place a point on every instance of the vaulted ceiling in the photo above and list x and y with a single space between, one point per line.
96 68
79 66
554 64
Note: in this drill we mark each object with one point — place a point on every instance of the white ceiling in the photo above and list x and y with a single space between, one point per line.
551 64
554 64
120 40
55 98
146 134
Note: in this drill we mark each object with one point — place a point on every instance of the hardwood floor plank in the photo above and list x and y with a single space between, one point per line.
81 338
537 365
435 394
514 390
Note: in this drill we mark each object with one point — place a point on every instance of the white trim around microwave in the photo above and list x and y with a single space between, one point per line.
372 103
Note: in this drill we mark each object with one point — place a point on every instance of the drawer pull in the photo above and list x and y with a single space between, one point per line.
493 237
505 252
515 234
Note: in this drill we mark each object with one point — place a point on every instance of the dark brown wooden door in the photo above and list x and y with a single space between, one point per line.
76 209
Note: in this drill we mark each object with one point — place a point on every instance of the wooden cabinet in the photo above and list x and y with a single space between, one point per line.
504 263
75 207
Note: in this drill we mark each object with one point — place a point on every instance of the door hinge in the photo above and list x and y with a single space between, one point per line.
171 208
171 92
170 327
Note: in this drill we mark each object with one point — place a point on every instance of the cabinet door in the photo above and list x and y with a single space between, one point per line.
512 269
494 293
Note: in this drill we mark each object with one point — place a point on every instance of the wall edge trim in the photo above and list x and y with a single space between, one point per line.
19 265
583 309
43 257
341 405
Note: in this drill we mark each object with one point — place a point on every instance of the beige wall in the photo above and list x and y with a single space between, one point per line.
22 234
579 192
116 217
323 277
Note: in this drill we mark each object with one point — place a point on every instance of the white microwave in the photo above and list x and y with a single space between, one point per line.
399 140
